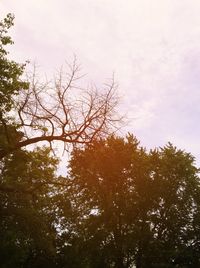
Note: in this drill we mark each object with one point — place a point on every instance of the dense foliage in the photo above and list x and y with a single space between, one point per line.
10 71
119 206
137 207
10 85
27 222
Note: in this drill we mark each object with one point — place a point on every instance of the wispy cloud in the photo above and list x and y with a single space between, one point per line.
153 47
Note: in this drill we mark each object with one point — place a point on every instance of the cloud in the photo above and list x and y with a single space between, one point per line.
153 47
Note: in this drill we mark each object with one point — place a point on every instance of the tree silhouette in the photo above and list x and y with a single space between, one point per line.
50 111
137 207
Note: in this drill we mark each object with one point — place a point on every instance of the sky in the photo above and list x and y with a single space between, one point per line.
152 46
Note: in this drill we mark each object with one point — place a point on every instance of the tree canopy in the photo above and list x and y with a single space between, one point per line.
139 207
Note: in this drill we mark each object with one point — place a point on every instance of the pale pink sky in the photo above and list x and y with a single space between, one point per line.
153 46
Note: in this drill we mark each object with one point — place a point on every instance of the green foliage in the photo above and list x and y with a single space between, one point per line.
121 205
136 207
10 71
27 225
10 85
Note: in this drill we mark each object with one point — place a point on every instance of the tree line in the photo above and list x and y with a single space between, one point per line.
119 206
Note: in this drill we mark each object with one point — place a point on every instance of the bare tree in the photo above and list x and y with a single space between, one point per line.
63 111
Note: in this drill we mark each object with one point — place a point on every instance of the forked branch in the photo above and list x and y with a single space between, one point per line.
64 111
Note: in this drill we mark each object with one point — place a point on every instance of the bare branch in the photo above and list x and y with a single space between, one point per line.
64 111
